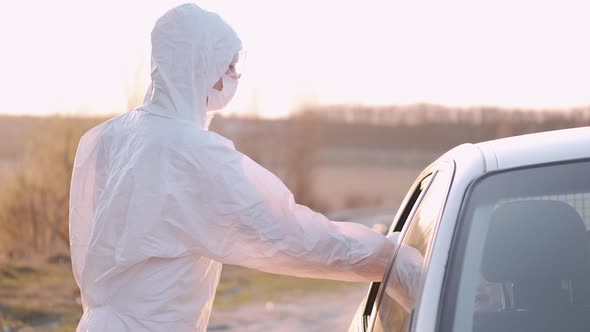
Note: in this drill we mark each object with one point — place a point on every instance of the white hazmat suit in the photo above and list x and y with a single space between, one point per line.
158 203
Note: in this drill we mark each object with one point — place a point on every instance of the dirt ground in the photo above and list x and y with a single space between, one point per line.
37 296
310 312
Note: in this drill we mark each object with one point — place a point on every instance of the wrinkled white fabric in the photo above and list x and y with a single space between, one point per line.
158 203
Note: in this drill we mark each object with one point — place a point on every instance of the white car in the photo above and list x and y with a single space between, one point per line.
503 229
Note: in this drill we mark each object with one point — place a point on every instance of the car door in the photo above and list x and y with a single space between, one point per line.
417 219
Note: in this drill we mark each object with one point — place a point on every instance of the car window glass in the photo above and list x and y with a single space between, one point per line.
409 203
403 280
525 252
406 208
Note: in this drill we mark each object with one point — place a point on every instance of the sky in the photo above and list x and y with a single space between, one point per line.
85 56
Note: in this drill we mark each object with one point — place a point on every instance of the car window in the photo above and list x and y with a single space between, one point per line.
403 280
522 261
406 208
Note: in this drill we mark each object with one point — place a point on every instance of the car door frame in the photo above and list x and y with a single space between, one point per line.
470 164
405 213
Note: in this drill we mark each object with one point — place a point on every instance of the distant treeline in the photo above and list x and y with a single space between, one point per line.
419 114
420 126
416 127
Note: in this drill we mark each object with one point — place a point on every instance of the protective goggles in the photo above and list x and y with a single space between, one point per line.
236 67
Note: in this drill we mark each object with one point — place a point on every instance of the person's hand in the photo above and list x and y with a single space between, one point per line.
394 237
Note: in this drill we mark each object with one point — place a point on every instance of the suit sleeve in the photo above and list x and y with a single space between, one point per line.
248 217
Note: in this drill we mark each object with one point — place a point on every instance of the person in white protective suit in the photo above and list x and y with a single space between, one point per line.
158 203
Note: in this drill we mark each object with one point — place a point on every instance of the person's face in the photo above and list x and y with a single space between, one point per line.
231 71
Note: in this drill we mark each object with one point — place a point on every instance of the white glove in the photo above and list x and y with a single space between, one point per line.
394 237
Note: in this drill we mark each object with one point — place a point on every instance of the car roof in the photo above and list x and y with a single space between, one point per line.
539 148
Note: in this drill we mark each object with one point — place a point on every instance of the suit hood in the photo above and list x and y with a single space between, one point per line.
191 49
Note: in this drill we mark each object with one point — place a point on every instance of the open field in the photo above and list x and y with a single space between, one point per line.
7 168
44 297
338 188
310 312
38 297
340 164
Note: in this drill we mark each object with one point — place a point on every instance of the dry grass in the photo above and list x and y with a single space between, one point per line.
41 297
7 169
44 297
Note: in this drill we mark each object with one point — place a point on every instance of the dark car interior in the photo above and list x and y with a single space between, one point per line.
538 251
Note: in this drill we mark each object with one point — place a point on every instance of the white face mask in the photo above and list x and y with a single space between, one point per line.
217 100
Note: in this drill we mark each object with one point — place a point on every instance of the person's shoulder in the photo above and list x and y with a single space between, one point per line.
102 128
92 135
209 148
204 139
94 138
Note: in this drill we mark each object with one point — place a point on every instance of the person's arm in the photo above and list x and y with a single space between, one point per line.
250 218
406 276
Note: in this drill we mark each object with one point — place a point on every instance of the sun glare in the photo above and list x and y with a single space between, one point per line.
67 55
